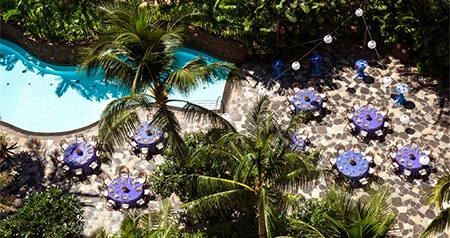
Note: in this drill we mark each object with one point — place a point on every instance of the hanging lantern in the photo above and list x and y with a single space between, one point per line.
328 39
387 80
295 65
371 44
359 12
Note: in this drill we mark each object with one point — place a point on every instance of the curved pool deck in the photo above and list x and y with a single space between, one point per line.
43 98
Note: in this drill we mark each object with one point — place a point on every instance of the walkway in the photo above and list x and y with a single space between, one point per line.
430 124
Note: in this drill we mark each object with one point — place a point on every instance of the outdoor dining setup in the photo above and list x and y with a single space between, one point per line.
79 157
354 164
148 139
367 121
305 99
411 160
124 191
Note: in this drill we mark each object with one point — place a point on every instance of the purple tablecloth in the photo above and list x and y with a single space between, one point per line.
148 140
300 101
298 143
125 190
362 123
74 161
405 162
354 172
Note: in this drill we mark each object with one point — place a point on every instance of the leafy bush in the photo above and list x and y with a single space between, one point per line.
181 177
45 214
59 21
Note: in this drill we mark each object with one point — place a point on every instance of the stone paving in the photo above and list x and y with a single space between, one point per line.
429 118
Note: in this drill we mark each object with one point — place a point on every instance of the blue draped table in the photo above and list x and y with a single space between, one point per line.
353 171
75 161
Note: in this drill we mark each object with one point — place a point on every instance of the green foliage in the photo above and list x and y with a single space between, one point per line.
171 177
46 214
423 25
311 212
341 215
60 21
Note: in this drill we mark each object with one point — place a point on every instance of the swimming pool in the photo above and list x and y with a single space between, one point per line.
40 97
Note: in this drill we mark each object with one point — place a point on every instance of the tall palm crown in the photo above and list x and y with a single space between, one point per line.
136 51
262 168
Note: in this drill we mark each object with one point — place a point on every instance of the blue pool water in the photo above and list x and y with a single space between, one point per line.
40 97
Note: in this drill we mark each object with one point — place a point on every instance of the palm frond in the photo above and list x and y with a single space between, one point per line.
200 114
119 118
441 192
220 202
438 225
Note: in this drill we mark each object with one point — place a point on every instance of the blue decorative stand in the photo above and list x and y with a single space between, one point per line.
316 60
401 90
360 67
277 65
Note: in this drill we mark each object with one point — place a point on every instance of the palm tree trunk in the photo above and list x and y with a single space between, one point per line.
261 221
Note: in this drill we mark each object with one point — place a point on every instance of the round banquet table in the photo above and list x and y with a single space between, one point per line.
300 101
298 143
148 140
412 164
353 172
125 190
362 123
75 161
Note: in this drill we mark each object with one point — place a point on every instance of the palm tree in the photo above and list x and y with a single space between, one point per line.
158 224
6 153
365 217
265 168
438 195
136 50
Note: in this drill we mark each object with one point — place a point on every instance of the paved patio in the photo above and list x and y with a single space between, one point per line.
429 118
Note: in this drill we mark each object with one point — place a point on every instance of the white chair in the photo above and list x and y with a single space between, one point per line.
78 172
133 144
369 158
393 166
350 116
316 113
427 151
110 204
144 151
105 193
125 206
393 155
386 124
64 146
80 137
363 133
324 105
379 132
60 158
371 170
292 108
363 181
407 173
66 168
147 192
140 202
93 165
423 172
159 146
333 161
107 181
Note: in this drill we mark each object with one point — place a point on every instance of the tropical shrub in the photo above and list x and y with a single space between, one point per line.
171 177
45 214
58 21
